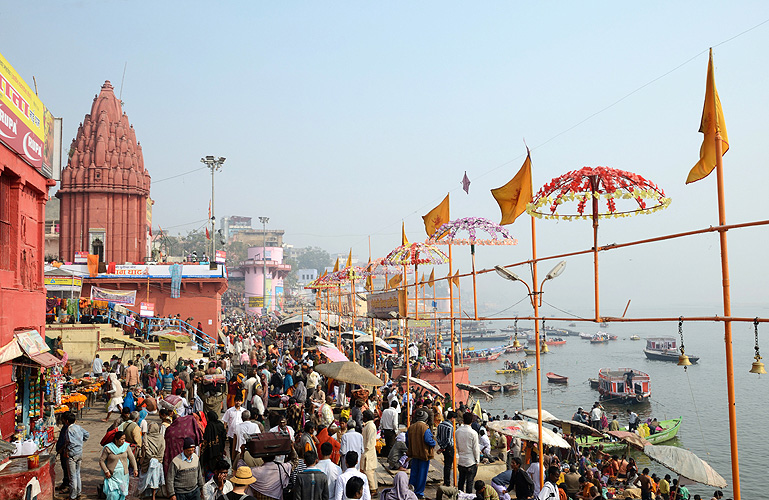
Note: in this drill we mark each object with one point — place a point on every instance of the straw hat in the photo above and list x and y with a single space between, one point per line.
242 476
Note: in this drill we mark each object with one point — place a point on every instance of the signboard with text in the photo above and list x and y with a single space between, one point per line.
256 302
221 256
63 283
81 258
165 345
147 309
386 305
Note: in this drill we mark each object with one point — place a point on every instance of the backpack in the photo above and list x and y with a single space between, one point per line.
108 437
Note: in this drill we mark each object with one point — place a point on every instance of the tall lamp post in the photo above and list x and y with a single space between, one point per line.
214 164
536 302
264 221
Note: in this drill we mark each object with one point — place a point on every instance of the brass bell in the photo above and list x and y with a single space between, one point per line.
683 360
544 347
758 366
516 344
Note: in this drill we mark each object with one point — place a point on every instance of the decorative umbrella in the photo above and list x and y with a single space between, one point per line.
350 372
332 353
528 431
423 384
630 438
448 234
686 464
636 194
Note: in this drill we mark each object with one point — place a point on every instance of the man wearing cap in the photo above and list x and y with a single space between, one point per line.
421 449
240 481
185 476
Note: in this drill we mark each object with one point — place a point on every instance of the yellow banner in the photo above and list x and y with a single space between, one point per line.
165 345
16 94
256 302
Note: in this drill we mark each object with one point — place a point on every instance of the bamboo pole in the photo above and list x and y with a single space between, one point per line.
453 376
535 303
301 334
594 189
354 312
475 291
727 324
406 346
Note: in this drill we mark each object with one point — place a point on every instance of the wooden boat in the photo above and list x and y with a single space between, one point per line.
512 371
554 378
624 385
599 338
668 432
594 383
555 341
510 387
532 352
480 359
486 337
613 337
664 349
635 337
585 336
509 349
490 386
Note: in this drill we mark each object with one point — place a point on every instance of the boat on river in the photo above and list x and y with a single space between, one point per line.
664 349
599 338
510 387
555 341
668 432
510 349
594 383
490 386
482 358
585 336
554 378
635 337
509 371
489 336
624 385
532 351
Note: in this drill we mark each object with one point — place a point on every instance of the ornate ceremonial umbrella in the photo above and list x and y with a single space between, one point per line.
449 234
413 254
595 185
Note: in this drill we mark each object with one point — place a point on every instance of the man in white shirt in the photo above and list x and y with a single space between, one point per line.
248 386
351 461
312 382
245 429
332 470
468 454
97 368
283 427
351 441
595 416
550 489
389 426
533 471
232 418
218 485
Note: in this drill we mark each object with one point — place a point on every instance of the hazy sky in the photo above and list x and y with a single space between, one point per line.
341 119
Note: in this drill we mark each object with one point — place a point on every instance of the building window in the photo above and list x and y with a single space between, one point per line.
7 207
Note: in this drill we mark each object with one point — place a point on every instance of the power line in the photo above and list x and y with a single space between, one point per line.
179 175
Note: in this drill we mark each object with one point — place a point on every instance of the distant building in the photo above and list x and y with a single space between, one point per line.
259 259
234 224
304 276
52 228
257 237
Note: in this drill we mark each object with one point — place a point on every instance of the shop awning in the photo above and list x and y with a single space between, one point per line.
124 341
10 351
45 359
173 336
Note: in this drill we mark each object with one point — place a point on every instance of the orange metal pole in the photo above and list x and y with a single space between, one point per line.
301 334
453 379
727 324
594 188
475 291
461 345
354 311
406 350
535 302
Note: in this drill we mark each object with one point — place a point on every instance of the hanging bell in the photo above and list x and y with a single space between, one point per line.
516 344
543 348
758 366
683 360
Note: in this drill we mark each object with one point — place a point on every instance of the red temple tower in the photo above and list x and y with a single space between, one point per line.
104 188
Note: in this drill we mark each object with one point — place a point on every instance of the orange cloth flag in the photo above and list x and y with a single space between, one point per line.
455 279
336 265
349 259
431 281
93 265
437 217
395 281
404 240
516 194
712 123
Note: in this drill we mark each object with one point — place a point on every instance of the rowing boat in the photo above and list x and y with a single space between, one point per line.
508 372
554 378
478 359
668 432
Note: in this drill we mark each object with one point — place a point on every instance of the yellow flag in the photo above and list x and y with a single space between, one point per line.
431 281
336 265
712 123
436 217
455 278
349 259
395 281
516 194
477 409
404 240
369 278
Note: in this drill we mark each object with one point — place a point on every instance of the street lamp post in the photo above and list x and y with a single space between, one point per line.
264 221
214 164
536 302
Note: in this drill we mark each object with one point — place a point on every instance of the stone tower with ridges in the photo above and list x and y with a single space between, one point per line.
105 188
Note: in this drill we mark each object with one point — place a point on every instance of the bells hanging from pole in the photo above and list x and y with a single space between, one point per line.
543 348
516 344
758 366
683 359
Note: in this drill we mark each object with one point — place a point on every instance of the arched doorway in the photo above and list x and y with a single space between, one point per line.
97 248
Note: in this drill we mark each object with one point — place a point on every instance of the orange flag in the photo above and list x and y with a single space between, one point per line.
711 124
455 279
336 265
395 281
516 194
349 259
431 281
437 217
404 240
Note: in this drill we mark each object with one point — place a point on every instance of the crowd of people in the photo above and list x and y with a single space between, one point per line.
190 431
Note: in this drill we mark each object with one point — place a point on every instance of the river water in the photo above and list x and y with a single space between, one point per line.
698 394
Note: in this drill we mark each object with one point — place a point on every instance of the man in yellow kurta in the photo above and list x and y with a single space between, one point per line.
369 461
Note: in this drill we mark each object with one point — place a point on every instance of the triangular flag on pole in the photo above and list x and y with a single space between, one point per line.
711 124
404 240
431 282
336 265
208 235
516 194
477 409
349 259
466 183
395 281
437 217
455 278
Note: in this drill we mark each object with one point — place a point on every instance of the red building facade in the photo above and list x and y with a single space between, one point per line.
23 193
105 188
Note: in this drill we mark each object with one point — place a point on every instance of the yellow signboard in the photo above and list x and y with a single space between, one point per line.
256 302
166 345
420 323
54 283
